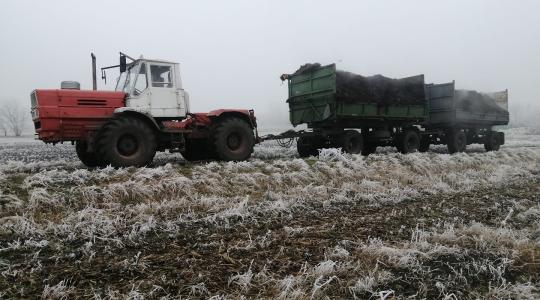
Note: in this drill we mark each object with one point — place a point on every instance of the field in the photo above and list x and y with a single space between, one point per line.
388 226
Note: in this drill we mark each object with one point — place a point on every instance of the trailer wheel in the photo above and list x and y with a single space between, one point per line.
234 139
409 142
456 140
492 141
307 146
369 148
424 143
89 159
352 142
196 149
126 142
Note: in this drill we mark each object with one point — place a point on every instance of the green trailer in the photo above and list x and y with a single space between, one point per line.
451 124
313 100
355 126
359 124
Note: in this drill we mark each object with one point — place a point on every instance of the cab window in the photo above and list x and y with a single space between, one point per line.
141 82
161 76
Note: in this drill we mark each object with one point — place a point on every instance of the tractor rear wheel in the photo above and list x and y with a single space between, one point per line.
126 142
233 139
408 142
456 140
89 159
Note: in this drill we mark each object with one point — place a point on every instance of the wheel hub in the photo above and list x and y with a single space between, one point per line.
233 141
127 145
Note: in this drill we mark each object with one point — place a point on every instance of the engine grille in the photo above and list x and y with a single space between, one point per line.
92 102
33 105
33 100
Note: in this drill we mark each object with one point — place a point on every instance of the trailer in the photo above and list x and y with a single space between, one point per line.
354 126
456 123
393 116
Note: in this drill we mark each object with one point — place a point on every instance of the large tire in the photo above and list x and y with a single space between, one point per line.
492 141
197 149
408 142
456 140
424 143
307 146
126 142
233 139
369 148
352 142
89 159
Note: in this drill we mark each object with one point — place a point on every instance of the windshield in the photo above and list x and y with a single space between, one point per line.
127 78
121 82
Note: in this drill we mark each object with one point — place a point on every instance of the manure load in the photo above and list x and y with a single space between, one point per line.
351 87
465 108
323 96
476 102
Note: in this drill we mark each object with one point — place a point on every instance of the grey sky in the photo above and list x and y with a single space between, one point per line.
232 52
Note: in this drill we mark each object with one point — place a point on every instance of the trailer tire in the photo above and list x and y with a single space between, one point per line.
233 139
352 142
424 143
369 148
126 142
492 141
408 142
307 146
89 159
456 140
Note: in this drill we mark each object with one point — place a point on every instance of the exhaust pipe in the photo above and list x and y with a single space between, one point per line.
94 78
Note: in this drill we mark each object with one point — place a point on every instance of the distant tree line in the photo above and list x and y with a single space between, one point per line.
13 118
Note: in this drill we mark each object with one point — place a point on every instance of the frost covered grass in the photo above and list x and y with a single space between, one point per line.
389 225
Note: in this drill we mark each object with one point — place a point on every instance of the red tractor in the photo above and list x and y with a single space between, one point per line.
147 112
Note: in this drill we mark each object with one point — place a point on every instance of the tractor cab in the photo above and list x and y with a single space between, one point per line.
153 87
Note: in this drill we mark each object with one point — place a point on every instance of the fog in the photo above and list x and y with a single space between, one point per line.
232 52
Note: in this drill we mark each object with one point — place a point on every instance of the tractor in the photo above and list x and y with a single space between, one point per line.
147 112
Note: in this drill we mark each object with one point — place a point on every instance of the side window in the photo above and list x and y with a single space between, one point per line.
161 76
142 82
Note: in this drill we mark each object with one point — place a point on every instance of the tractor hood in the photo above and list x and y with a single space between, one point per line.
70 111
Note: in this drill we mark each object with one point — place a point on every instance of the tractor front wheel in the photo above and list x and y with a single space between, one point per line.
89 159
126 142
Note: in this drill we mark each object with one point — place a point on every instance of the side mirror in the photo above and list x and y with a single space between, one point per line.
123 64
104 76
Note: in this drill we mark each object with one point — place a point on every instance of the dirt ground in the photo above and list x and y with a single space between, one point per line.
333 227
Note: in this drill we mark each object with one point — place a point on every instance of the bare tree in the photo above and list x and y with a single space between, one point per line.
3 127
14 117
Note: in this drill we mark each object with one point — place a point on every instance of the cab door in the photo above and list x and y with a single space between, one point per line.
165 90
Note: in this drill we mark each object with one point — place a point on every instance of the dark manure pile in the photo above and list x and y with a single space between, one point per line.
354 88
475 102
